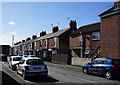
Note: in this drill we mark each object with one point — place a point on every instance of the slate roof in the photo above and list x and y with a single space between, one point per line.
50 35
107 11
88 28
111 10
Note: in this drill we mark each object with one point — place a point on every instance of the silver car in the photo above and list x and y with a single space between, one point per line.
32 66
13 60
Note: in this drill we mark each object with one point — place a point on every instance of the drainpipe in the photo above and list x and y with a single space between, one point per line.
81 43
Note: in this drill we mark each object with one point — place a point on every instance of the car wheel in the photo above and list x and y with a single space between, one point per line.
85 70
17 71
108 75
23 75
9 66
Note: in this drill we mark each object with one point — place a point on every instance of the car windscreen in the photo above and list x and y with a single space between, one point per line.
17 59
34 62
116 62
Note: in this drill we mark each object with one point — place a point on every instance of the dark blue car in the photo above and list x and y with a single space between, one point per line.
104 66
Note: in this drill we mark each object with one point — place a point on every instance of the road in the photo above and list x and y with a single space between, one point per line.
58 75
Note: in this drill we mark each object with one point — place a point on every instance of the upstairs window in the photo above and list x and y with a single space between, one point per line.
45 43
55 40
35 45
40 43
96 36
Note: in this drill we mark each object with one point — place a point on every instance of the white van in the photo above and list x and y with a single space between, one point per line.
13 61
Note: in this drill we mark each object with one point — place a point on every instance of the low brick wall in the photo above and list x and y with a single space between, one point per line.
80 61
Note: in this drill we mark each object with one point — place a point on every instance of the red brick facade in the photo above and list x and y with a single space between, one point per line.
110 36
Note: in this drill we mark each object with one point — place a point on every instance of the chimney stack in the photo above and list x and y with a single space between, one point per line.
42 33
34 37
28 39
23 41
55 29
73 25
117 4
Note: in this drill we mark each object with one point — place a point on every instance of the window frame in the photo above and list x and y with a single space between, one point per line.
55 42
96 34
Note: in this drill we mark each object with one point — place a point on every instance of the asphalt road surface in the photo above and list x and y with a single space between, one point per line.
57 75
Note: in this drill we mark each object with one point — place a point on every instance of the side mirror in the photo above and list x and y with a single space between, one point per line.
89 63
18 64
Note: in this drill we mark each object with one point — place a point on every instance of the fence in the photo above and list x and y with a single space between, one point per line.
61 58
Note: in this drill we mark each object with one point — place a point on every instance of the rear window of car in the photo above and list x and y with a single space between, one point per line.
34 62
116 62
17 59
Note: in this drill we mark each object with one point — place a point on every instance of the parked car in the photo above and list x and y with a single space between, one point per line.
13 60
24 56
32 66
104 66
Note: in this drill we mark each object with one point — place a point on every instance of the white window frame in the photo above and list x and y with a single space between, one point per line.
45 43
40 43
55 42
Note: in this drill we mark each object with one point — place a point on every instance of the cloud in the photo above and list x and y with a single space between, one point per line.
13 33
11 23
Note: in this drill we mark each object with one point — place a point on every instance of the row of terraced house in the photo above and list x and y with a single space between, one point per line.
74 45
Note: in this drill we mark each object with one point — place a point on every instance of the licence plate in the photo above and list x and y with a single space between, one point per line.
38 68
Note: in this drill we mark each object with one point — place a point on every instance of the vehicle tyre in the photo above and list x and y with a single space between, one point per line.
85 70
45 76
9 66
108 75
24 75
17 71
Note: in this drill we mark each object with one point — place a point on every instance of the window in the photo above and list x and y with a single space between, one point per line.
46 43
35 45
17 59
22 61
34 62
30 46
96 36
55 42
40 43
94 62
54 51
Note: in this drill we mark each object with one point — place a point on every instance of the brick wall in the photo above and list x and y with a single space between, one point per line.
37 45
75 41
64 43
110 36
51 42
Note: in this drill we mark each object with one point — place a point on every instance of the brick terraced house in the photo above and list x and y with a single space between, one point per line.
85 43
110 32
56 42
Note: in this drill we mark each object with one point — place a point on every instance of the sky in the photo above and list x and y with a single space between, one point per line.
24 19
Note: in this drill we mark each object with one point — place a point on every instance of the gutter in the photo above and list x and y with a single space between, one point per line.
109 14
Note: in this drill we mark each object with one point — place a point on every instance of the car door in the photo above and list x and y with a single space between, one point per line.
101 66
10 62
92 66
20 66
